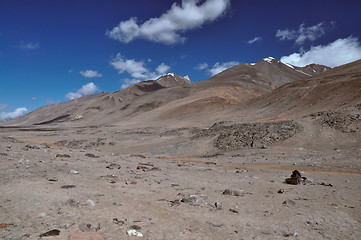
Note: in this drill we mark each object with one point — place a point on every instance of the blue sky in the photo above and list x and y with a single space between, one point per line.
55 51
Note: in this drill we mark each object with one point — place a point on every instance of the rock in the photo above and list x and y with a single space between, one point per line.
234 210
91 155
133 232
295 178
72 203
233 192
288 203
68 186
42 214
326 184
54 232
192 200
90 203
89 227
281 191
86 236
62 155
218 205
135 227
290 234
73 172
113 166
118 222
65 225
53 179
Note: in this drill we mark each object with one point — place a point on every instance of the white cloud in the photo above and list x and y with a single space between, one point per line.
29 46
304 33
3 106
201 66
167 28
219 67
162 69
137 70
134 68
90 74
128 82
255 39
216 68
339 52
86 89
12 115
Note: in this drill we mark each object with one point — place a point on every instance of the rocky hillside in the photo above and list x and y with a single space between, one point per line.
175 100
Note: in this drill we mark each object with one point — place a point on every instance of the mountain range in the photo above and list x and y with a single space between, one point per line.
268 89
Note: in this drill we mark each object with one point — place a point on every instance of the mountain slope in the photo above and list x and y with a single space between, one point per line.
337 88
172 99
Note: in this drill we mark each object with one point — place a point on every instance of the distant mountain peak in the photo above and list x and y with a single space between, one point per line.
269 59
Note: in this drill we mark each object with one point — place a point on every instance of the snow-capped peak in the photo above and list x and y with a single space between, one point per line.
170 74
268 59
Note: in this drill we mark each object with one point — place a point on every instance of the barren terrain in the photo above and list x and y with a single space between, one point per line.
170 159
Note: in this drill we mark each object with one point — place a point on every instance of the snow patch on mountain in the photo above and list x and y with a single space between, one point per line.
268 59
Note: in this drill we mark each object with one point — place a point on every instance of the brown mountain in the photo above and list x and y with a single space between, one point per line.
266 89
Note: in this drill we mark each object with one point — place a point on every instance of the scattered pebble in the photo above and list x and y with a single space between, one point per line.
290 234
233 192
118 222
42 214
90 203
192 200
65 225
68 186
54 232
135 227
72 203
89 227
53 179
73 172
113 166
91 155
133 232
288 203
218 205
234 210
62 155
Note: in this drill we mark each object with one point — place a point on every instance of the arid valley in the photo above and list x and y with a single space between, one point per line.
172 159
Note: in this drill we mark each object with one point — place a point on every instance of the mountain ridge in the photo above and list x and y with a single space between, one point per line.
175 100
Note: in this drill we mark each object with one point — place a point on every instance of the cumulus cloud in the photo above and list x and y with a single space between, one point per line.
216 68
90 74
137 69
304 33
339 52
253 40
12 115
29 46
162 69
86 89
167 28
128 82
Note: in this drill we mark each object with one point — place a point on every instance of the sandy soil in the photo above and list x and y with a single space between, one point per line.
98 177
